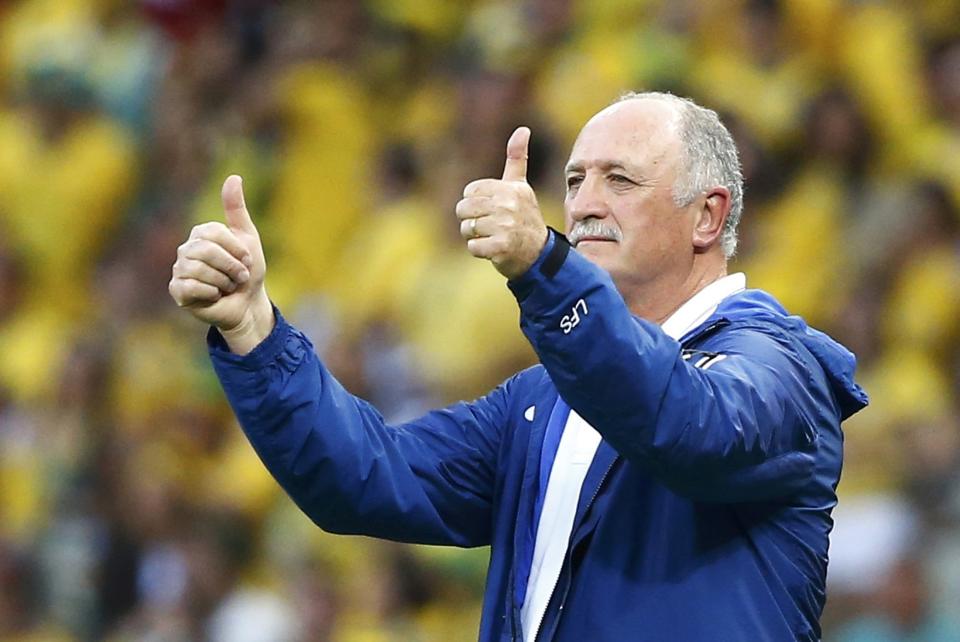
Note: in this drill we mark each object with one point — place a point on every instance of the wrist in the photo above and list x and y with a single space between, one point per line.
531 256
253 329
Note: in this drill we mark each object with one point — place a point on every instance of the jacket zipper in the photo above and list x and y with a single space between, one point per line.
586 509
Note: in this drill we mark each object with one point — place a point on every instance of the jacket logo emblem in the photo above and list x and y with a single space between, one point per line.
572 320
701 359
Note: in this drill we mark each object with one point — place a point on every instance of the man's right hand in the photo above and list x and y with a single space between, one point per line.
219 272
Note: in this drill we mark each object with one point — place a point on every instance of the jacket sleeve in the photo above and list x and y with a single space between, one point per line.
428 481
744 429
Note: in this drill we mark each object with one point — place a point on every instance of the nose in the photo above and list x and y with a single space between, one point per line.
588 200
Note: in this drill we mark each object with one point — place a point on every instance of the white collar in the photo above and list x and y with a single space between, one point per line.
702 304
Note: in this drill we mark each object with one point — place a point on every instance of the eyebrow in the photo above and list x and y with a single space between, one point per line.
604 164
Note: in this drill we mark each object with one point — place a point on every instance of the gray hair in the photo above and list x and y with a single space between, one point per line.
708 158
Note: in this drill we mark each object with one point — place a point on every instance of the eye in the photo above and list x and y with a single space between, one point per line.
574 180
620 179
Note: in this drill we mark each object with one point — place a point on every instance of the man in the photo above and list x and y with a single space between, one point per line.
666 473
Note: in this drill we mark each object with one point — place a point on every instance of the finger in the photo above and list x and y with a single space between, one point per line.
515 168
474 206
486 247
222 236
473 228
216 257
193 269
483 187
187 292
234 207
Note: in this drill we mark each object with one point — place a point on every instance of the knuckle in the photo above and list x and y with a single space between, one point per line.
502 220
478 187
470 189
203 250
210 228
189 267
507 202
191 246
176 292
197 230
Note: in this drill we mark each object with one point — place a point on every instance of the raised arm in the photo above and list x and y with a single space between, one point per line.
746 428
431 480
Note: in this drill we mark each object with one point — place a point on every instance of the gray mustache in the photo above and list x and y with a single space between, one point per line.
594 228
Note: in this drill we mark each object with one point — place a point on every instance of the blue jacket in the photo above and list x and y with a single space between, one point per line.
705 513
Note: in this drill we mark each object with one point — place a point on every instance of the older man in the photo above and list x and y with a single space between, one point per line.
666 473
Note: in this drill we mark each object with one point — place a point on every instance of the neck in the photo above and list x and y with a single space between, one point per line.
656 300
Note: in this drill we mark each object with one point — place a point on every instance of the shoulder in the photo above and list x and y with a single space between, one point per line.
754 338
532 380
530 387
779 364
760 350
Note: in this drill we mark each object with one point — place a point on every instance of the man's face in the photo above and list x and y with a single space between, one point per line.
619 207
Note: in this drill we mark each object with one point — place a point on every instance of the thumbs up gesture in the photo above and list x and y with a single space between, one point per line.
500 218
219 272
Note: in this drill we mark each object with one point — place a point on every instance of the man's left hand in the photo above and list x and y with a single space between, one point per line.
500 218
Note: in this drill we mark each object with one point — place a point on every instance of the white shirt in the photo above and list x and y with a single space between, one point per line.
578 445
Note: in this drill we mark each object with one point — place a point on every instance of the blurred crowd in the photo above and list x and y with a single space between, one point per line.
131 507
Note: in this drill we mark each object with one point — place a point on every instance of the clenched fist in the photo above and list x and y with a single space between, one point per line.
500 218
219 272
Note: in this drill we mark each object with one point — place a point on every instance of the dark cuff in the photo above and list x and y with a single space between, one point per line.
547 264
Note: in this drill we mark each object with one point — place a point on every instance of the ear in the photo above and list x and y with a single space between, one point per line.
710 219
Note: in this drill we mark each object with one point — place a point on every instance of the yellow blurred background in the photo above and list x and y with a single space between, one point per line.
130 506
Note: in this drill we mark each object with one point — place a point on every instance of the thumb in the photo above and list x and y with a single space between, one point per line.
234 207
515 168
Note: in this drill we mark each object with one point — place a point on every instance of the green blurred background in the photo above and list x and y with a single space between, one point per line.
130 506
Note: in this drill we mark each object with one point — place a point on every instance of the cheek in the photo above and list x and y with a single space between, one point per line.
656 227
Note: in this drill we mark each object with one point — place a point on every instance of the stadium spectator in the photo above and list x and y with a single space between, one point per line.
114 435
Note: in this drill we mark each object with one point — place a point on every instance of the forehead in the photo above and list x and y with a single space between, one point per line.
639 132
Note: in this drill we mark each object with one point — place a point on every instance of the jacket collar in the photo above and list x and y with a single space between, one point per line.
701 305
